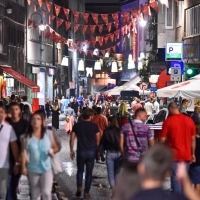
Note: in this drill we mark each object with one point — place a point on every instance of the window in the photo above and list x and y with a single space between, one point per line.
180 11
169 18
20 38
11 37
1 32
192 21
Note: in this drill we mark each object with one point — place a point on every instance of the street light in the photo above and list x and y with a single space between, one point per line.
65 61
41 25
143 23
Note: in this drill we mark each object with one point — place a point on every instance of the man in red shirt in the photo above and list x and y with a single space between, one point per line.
178 133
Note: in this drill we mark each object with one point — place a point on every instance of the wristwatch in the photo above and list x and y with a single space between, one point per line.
17 163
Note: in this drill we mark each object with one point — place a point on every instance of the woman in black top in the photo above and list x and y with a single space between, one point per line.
110 143
55 115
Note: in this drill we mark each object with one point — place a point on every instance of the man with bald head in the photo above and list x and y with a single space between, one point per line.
178 132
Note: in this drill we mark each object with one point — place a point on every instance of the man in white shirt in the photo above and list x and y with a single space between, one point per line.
7 139
155 106
25 102
134 102
148 107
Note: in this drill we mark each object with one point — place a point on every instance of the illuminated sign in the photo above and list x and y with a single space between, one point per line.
174 51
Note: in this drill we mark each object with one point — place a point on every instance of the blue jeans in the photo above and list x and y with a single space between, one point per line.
176 187
113 166
85 158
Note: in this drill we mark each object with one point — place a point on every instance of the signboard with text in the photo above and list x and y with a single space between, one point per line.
174 51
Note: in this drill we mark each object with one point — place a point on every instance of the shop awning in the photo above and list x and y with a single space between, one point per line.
20 78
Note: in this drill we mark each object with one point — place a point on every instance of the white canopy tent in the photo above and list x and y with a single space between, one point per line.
187 89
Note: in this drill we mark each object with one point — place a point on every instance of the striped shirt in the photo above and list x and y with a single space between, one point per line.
143 133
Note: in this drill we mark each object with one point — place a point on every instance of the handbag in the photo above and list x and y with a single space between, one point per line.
55 161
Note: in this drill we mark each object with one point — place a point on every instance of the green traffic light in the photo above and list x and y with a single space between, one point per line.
189 71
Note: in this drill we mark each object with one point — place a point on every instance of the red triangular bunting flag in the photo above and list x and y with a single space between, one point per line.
125 29
115 17
154 4
66 11
116 25
134 13
109 27
51 30
114 48
91 52
93 42
51 18
29 22
100 40
105 18
67 25
106 39
125 16
80 50
34 25
76 26
57 9
122 29
29 2
49 5
44 12
40 2
100 28
47 34
92 28
84 28
59 22
85 17
118 44
134 25
146 10
117 33
76 16
95 18
108 50
112 36
86 52
35 7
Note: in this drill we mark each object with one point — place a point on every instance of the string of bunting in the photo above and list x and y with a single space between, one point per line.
145 9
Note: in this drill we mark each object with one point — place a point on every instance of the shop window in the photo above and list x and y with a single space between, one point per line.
12 36
192 21
169 15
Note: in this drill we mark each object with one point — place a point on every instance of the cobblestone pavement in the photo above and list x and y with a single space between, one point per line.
67 180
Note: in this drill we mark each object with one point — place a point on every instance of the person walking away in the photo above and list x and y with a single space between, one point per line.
153 168
194 170
48 108
19 125
148 107
26 113
90 102
123 115
100 120
8 139
135 137
25 102
110 144
195 115
88 137
178 132
55 115
184 105
62 104
70 119
136 106
133 102
37 150
75 106
155 106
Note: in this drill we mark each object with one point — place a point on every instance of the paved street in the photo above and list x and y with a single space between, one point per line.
67 180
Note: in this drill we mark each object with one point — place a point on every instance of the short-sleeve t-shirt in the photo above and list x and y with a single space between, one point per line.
7 135
86 134
157 194
178 130
143 134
